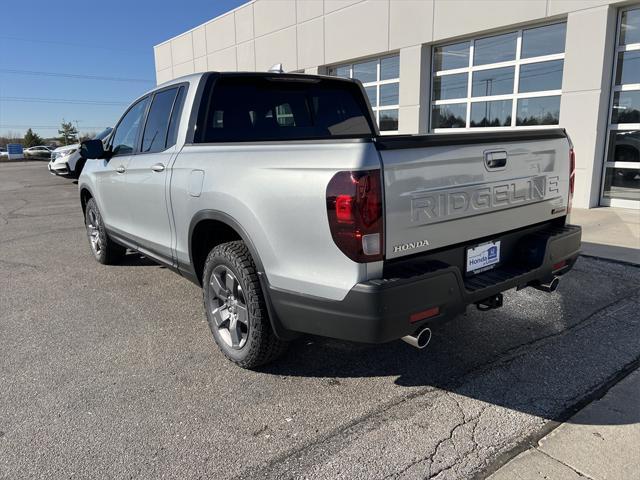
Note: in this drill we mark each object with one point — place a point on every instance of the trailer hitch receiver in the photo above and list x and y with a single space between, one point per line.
489 303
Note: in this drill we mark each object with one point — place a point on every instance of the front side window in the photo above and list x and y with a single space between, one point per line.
508 80
154 137
381 80
236 109
103 134
126 133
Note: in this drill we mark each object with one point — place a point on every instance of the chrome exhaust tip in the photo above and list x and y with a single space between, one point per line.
547 285
419 339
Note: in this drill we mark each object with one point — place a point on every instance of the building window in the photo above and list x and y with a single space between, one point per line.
381 80
621 182
508 80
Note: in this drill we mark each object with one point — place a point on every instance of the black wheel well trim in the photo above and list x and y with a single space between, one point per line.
83 188
231 222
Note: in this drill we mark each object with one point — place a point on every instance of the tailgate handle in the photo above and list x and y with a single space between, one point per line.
495 160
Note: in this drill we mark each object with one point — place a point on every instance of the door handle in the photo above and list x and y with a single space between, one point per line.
158 167
120 169
495 160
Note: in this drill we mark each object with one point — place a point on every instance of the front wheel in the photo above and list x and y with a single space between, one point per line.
235 307
103 248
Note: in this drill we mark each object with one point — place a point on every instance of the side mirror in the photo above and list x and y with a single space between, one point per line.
92 149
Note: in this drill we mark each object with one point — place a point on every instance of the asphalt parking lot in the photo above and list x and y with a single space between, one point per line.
111 372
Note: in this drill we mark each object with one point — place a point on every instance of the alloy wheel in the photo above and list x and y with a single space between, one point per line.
228 307
93 232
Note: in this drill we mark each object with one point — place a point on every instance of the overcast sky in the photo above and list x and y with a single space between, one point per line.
76 38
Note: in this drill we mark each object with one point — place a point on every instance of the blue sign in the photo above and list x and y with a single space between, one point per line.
14 149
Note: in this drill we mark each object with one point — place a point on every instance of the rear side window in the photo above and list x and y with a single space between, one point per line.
237 109
172 134
154 138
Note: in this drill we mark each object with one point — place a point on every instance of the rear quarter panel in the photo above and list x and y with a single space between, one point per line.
276 193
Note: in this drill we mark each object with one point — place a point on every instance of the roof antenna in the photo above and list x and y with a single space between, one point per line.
277 68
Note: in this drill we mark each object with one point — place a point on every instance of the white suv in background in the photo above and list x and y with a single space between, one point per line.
66 161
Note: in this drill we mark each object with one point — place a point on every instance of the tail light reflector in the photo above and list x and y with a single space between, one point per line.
416 317
559 266
354 209
572 177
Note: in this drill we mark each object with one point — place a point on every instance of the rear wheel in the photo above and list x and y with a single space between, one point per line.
235 307
104 249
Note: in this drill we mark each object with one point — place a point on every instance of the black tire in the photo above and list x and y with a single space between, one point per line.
256 344
103 248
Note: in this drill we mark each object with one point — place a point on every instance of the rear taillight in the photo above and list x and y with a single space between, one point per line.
572 177
354 208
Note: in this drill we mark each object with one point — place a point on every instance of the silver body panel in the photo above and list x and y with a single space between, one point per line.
276 192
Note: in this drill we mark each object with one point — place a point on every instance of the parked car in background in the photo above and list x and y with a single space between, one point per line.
40 151
66 161
3 153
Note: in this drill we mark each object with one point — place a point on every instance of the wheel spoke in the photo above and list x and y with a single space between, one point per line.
220 316
219 289
235 332
230 281
243 315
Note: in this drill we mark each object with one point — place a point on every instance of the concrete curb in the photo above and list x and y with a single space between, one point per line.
533 440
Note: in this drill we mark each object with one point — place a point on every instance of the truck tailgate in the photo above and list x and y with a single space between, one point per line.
442 190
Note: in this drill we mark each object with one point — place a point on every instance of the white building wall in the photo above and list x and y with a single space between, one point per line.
308 35
584 105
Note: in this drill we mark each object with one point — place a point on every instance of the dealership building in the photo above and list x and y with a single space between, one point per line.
431 66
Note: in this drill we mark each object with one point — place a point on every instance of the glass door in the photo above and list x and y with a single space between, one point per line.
621 179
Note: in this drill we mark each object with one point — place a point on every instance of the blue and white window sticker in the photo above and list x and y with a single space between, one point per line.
483 256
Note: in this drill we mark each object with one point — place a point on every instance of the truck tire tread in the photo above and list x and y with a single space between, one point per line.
263 346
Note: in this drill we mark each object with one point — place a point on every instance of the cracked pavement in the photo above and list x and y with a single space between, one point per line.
111 371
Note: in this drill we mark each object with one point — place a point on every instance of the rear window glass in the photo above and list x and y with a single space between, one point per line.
237 109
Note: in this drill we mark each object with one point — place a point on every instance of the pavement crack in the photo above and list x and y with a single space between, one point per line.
10 263
515 352
577 472
339 436
38 235
432 456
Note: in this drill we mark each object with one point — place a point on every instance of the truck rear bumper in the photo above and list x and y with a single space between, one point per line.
382 310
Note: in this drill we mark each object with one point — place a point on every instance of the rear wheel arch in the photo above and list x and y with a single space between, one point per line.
209 228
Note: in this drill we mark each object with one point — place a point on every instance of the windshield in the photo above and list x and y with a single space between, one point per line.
103 134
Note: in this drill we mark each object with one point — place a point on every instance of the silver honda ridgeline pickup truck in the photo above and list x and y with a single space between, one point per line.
277 194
